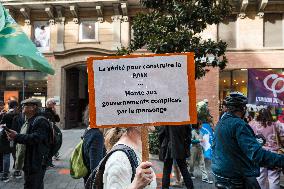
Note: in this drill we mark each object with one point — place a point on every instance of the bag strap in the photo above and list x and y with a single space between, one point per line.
101 167
130 155
38 118
51 137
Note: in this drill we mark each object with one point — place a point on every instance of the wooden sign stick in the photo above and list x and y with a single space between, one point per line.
145 143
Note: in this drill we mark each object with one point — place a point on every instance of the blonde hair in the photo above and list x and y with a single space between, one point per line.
86 116
112 136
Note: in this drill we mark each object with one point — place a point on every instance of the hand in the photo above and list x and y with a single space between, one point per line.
11 134
143 177
53 109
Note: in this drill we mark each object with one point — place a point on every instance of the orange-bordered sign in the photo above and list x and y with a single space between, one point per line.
142 90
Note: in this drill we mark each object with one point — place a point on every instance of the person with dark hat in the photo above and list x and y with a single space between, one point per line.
35 140
237 155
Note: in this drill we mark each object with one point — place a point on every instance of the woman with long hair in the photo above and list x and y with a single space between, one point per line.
265 130
118 170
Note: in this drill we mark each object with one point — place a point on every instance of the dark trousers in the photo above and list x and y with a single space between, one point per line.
34 180
1 164
168 163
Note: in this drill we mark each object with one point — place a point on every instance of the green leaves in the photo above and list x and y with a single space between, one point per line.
173 26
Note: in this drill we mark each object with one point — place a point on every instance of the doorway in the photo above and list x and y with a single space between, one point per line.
76 96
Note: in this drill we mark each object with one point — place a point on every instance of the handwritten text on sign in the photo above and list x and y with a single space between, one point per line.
141 90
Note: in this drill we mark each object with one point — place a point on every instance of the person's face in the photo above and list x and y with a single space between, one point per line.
50 105
29 110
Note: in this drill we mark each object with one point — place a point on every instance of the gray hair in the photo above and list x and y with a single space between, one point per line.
50 101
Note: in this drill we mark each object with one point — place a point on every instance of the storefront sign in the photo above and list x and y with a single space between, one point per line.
265 88
142 90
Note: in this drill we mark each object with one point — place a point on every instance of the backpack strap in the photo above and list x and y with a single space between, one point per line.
130 154
38 118
131 157
95 179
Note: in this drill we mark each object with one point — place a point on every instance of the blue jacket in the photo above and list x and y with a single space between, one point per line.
236 153
93 148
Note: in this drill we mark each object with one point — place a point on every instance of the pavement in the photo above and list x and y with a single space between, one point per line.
59 178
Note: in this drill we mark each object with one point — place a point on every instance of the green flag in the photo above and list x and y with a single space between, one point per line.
16 47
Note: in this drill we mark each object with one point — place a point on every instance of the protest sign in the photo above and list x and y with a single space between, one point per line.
142 90
265 88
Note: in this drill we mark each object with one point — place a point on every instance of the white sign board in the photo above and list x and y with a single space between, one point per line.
141 90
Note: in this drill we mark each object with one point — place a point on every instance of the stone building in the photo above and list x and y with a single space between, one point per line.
67 32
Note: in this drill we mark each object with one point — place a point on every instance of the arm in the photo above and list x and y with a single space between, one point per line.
15 124
56 117
40 134
96 151
161 134
188 135
193 139
254 150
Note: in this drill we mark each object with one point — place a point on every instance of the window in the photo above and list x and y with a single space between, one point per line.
227 31
23 85
273 32
42 35
88 31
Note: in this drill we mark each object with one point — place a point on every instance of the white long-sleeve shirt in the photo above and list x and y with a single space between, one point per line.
118 171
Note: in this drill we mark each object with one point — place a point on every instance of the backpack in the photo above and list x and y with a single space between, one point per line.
95 180
78 168
55 140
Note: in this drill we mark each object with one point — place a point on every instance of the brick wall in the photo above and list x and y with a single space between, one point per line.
208 88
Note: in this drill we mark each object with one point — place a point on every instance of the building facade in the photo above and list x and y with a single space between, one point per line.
67 32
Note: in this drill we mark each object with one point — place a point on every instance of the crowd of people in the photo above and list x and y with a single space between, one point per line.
239 158
26 132
246 149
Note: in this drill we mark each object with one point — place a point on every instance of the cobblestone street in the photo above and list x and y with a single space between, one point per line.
58 177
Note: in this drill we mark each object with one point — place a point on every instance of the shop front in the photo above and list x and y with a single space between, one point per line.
21 85
264 87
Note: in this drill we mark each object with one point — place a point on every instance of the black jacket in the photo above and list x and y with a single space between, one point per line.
174 142
37 144
93 148
18 122
4 143
8 118
51 115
